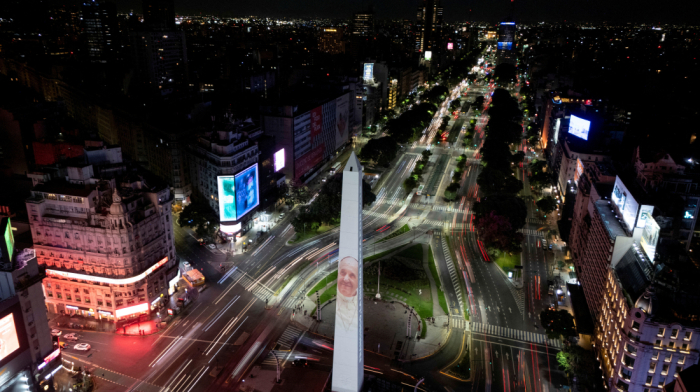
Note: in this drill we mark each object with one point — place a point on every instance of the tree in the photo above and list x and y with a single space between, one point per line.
518 157
451 191
496 154
493 181
200 216
580 364
426 154
295 194
505 131
558 323
381 151
512 207
409 184
495 231
505 73
547 204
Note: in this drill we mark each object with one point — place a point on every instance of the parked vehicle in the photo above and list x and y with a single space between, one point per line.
81 347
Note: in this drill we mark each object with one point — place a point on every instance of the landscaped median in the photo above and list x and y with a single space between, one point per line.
305 235
403 229
507 261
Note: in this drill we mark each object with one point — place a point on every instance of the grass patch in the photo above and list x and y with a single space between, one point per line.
405 279
436 278
415 252
505 260
303 236
382 254
329 278
329 293
403 229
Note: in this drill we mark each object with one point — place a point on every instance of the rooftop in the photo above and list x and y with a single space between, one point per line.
607 214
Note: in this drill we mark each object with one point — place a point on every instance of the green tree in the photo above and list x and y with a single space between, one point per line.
409 184
496 154
493 181
199 216
547 204
381 151
580 363
558 323
505 73
451 191
511 207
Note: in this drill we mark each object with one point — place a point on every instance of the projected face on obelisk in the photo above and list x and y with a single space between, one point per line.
347 291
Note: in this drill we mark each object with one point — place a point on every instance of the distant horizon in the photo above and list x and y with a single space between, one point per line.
525 11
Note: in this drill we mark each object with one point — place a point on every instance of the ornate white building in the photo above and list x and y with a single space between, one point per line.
107 244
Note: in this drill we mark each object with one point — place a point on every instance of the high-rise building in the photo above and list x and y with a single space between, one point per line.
106 242
363 23
505 48
100 29
225 150
27 353
331 41
159 15
429 26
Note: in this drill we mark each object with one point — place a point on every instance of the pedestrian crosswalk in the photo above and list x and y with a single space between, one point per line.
437 208
288 338
535 233
535 221
257 288
458 322
270 358
515 334
454 277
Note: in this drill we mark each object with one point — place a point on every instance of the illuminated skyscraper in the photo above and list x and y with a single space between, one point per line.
363 23
100 29
159 15
505 52
428 26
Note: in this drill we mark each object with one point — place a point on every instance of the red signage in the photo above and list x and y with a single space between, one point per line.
308 161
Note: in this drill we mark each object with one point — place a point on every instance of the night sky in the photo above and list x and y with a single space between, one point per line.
455 10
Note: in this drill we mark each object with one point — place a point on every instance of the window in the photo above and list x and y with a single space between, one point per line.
661 332
99 302
628 361
86 291
109 304
674 333
87 300
635 325
655 356
652 367
58 295
684 347
688 335
626 374
664 369
630 349
671 344
669 358
50 294
68 297
58 287
76 290
649 379
681 361
661 381
658 342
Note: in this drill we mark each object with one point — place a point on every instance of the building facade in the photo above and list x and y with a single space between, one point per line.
107 243
429 26
100 29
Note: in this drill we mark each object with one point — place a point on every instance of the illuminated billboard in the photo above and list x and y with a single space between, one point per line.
557 123
9 239
579 127
368 73
650 238
689 214
645 212
92 278
9 342
625 203
246 187
227 198
450 46
504 46
279 160
140 308
428 55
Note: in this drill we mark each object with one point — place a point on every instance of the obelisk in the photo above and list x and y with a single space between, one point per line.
348 351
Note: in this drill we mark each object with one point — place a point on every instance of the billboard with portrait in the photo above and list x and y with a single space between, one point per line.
625 203
342 109
579 127
368 72
650 238
227 198
247 192
278 159
9 342
645 212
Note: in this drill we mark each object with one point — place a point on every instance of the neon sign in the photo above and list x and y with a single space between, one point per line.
132 309
133 279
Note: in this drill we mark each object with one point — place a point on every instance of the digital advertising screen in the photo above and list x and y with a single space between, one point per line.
579 170
9 342
279 160
246 189
579 127
504 45
450 46
368 73
625 203
645 212
689 214
557 123
428 55
650 238
227 198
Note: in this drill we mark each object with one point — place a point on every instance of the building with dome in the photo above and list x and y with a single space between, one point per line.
104 235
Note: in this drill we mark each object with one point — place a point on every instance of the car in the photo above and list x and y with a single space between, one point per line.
300 362
81 347
56 332
551 289
211 246
70 336
187 265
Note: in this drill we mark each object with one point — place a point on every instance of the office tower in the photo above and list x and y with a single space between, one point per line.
363 23
505 48
106 242
100 29
348 353
428 26
27 354
331 41
159 15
